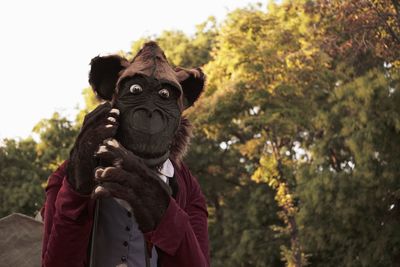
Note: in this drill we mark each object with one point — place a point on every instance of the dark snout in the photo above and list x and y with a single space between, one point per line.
150 121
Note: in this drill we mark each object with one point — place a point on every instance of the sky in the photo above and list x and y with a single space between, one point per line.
46 47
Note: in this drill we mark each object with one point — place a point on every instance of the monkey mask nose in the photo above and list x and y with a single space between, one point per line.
148 121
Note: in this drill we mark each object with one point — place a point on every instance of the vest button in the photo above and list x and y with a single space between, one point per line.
129 214
123 258
127 228
125 243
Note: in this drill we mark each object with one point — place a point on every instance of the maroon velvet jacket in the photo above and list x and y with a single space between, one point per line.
182 234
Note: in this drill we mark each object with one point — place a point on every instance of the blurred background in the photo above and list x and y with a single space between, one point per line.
296 138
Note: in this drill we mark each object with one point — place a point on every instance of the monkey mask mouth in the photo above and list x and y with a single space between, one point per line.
151 96
149 117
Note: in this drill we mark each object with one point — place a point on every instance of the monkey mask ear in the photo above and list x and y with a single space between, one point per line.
104 74
192 82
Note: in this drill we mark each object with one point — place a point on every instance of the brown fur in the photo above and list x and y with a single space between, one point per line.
127 176
181 141
151 62
107 73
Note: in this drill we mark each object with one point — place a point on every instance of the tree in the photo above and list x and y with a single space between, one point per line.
21 177
25 164
349 192
296 136
264 84
57 136
364 32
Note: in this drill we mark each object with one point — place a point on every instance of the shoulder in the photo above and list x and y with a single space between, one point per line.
188 181
182 171
55 180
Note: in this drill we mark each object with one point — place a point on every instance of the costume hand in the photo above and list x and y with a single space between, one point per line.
131 180
98 125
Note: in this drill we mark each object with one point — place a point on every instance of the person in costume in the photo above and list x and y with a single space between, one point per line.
125 197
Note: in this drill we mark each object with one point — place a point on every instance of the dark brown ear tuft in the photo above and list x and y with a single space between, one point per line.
104 74
192 82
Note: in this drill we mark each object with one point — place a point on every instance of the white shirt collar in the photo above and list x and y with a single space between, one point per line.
167 169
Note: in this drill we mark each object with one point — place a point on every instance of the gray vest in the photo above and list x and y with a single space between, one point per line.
118 240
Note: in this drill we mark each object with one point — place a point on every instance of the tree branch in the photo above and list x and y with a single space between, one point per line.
396 5
382 18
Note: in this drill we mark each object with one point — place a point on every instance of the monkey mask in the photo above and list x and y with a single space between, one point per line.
150 95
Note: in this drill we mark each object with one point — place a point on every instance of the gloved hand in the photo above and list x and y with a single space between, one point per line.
98 125
131 180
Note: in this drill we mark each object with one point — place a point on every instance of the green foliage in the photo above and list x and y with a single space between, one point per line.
286 106
25 164
182 50
57 136
21 177
349 192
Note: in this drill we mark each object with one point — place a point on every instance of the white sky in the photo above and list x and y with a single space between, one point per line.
46 46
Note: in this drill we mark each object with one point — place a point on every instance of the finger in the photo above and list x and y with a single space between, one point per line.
130 161
106 156
114 147
91 138
114 113
101 173
108 118
99 111
100 191
109 156
101 132
95 120
111 174
98 172
116 190
112 142
107 127
120 176
105 119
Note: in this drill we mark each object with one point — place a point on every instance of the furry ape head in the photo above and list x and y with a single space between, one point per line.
151 97
108 72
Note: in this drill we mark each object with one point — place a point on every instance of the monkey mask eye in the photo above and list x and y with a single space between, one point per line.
164 93
135 89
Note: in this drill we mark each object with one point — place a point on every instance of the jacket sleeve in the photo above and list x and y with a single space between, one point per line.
182 234
68 218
